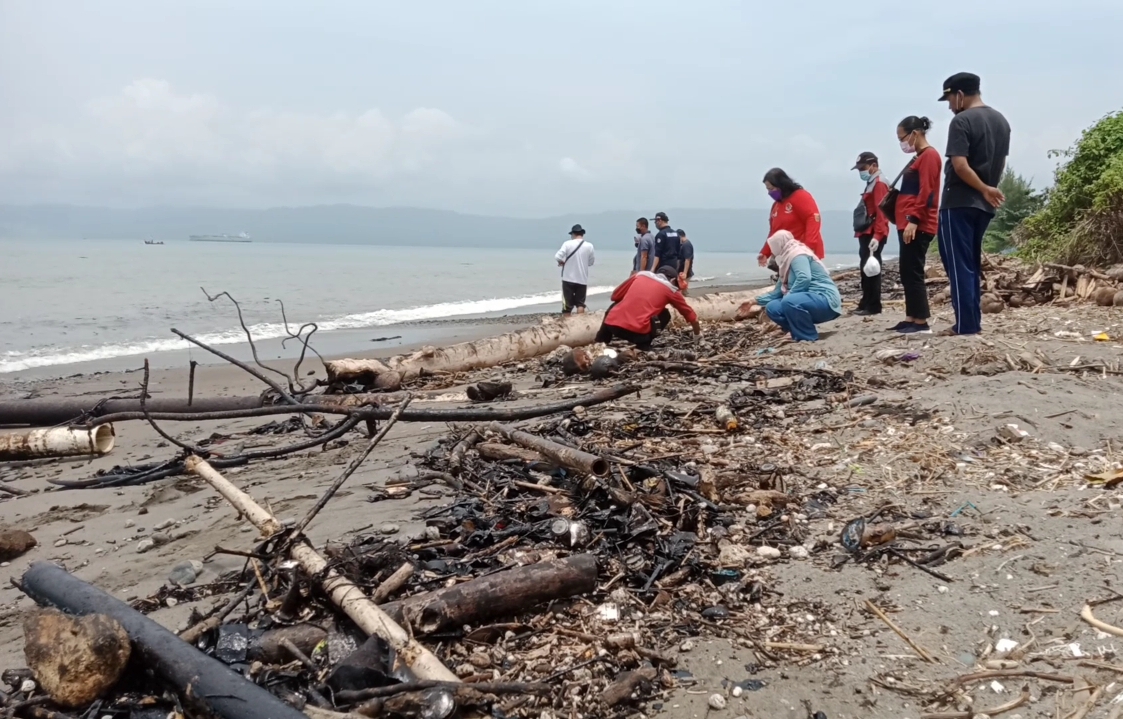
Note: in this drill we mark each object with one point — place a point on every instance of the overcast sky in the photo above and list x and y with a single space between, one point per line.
521 107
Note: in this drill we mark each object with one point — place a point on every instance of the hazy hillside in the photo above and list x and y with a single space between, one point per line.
733 230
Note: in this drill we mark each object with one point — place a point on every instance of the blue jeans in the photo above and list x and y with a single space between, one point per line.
961 249
799 312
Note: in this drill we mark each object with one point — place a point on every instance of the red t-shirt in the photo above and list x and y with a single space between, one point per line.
798 214
872 200
641 298
919 194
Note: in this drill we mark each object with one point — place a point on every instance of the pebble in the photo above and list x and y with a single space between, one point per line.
768 552
145 545
27 686
432 533
737 691
61 542
389 529
717 701
165 524
129 524
186 573
687 646
798 552
171 601
1078 452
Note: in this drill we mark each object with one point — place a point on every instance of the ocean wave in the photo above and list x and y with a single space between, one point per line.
16 361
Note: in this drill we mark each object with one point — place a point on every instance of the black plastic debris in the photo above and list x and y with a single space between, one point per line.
233 643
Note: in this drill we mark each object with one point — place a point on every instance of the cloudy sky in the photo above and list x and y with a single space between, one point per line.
518 107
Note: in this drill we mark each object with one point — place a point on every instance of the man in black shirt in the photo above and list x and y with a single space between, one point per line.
667 244
686 261
978 144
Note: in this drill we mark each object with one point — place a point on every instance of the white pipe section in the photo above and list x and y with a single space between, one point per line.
57 442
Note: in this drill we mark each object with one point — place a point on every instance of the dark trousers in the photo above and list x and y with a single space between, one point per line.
913 257
871 286
608 332
961 249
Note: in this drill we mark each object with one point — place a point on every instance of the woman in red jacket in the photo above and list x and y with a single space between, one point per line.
917 214
794 210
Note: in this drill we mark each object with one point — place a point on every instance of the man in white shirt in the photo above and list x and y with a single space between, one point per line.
575 258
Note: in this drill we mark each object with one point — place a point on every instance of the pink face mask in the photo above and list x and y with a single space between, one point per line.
907 147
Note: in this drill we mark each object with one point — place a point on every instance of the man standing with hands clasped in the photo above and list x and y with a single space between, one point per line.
667 244
978 144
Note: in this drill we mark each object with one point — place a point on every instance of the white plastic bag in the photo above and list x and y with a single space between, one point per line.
872 268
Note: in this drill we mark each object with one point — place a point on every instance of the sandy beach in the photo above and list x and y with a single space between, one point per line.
1038 540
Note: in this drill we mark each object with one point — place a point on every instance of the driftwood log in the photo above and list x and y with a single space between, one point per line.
202 682
497 595
569 457
514 346
342 591
56 442
379 412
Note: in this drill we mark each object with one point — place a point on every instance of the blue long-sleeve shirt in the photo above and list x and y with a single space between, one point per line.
806 276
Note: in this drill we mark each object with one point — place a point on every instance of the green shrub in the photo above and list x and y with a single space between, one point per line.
1081 221
1021 202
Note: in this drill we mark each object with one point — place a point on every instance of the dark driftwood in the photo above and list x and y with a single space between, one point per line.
48 412
496 595
51 412
203 683
569 457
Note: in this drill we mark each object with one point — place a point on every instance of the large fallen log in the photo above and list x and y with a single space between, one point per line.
202 682
55 411
348 597
522 344
569 457
378 412
46 412
502 594
56 442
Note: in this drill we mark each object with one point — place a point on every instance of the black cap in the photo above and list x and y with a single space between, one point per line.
577 230
966 82
662 216
668 272
864 159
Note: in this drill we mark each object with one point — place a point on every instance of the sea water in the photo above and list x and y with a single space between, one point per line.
76 302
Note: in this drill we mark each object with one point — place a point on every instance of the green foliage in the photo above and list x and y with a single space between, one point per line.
1021 202
1082 218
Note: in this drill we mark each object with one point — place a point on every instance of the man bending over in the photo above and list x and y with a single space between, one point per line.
639 309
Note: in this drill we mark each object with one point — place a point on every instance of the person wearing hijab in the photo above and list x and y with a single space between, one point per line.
805 295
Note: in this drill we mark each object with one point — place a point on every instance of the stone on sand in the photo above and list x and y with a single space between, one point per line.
74 659
14 543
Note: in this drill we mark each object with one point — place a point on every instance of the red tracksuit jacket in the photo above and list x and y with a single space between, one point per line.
639 299
798 214
919 198
872 199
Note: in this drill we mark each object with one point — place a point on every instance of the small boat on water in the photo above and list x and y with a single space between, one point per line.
153 242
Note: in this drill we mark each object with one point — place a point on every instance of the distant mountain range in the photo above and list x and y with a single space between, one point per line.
718 230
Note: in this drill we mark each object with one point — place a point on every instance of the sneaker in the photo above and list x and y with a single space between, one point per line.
900 326
862 312
915 329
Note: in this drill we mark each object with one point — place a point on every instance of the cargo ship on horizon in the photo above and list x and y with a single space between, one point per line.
240 237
